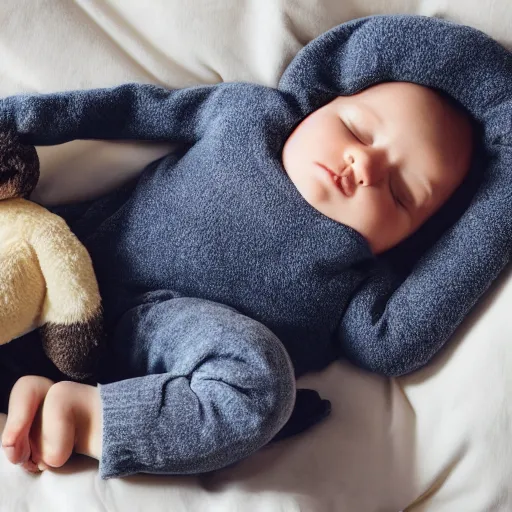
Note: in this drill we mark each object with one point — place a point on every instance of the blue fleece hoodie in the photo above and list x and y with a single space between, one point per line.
220 220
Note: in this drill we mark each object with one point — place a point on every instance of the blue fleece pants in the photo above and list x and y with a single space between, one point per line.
192 386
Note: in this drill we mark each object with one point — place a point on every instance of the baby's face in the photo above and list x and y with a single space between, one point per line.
381 161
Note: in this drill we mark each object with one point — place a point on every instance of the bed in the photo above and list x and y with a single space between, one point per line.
436 440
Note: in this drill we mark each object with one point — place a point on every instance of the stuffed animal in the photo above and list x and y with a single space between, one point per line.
46 275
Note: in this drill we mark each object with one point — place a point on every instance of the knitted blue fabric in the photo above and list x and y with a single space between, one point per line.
391 326
221 220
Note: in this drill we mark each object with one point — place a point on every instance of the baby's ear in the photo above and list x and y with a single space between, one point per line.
19 166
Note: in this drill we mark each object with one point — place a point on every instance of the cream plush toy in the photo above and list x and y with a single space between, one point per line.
46 275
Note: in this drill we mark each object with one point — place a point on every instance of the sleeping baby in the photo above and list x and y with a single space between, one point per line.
233 265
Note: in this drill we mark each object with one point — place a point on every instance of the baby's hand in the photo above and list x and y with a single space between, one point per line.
23 421
46 422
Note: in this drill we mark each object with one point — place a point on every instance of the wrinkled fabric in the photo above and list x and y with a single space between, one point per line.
195 393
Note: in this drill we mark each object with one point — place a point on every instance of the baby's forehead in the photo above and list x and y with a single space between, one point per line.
403 101
416 112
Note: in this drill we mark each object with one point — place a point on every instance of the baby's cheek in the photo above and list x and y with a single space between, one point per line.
316 194
377 222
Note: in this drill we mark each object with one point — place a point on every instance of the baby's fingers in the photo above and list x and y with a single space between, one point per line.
24 401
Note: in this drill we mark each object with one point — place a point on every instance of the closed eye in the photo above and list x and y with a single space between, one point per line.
396 197
360 138
363 136
356 134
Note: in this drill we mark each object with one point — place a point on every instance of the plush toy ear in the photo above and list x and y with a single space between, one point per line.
19 167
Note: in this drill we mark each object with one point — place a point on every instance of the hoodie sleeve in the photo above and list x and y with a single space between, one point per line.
393 328
131 111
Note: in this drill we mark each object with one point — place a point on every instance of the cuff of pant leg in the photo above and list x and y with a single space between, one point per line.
125 411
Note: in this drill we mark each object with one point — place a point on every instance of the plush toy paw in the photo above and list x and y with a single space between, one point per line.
75 348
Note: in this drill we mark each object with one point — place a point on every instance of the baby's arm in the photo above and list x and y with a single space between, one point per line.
394 330
131 111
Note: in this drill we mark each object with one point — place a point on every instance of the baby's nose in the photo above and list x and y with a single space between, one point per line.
368 166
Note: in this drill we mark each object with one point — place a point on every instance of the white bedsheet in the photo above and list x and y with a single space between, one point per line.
443 433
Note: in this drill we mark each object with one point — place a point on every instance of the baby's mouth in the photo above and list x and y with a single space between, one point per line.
342 182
